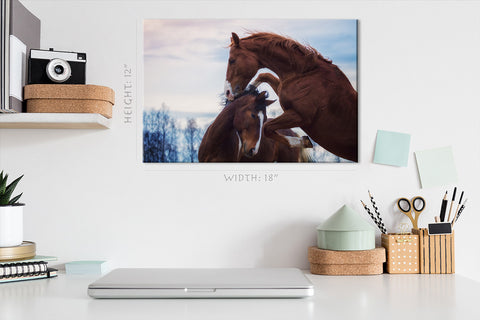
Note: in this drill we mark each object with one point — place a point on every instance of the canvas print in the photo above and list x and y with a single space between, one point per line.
250 91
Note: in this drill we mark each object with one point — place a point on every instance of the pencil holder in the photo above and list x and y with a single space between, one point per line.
437 252
402 252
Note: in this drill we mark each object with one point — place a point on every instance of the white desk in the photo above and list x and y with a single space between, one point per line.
368 297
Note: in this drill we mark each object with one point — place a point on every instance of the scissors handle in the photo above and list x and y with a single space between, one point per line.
405 207
418 204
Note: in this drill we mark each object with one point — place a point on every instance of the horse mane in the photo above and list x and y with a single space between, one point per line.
250 90
274 40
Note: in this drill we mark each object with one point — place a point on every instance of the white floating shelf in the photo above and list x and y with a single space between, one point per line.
54 121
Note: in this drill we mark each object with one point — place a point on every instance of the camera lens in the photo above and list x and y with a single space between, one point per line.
58 70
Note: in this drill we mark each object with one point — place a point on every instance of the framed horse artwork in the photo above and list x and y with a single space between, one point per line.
250 91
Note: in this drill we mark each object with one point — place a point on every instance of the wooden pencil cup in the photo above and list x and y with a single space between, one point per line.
437 252
402 252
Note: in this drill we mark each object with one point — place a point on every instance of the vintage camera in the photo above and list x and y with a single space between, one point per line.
49 66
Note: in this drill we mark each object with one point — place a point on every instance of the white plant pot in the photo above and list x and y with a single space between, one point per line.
11 226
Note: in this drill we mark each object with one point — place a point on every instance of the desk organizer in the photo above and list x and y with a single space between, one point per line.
357 262
69 98
402 252
437 252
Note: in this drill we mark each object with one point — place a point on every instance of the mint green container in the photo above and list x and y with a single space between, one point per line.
345 230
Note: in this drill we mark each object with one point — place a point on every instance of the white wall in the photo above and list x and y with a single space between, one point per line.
89 196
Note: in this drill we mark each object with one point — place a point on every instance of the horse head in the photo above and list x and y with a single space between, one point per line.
250 115
242 66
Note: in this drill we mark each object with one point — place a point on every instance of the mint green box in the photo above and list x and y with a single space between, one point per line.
345 230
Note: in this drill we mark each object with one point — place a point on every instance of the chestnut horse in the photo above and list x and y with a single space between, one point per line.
314 93
236 135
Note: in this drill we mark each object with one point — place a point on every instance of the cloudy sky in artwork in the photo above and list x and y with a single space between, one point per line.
185 61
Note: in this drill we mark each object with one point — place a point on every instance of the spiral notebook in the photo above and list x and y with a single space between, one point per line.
35 268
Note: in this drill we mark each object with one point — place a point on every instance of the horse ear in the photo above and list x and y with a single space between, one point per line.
269 102
235 40
262 96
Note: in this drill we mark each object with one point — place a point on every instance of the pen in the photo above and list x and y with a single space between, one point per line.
458 207
451 204
444 207
459 212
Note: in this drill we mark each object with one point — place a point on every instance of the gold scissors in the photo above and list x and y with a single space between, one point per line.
417 205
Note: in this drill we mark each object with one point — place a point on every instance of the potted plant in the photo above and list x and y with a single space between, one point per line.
11 213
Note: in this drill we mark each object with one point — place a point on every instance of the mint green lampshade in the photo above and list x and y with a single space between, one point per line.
345 230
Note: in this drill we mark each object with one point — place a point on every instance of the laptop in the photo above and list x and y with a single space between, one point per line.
202 283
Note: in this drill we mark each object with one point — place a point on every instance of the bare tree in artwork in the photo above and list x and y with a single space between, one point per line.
192 140
160 136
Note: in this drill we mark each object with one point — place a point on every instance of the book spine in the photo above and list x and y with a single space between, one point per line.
21 269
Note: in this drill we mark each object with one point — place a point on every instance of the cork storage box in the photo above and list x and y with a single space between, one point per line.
402 252
69 98
357 262
437 252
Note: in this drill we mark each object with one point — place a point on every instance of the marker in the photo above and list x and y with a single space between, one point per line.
451 204
444 207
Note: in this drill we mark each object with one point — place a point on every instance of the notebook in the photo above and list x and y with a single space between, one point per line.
202 283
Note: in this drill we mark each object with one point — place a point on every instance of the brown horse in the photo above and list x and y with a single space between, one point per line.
236 135
314 93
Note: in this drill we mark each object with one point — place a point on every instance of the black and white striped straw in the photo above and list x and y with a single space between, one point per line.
379 218
378 223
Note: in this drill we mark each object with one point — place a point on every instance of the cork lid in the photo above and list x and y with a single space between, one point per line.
345 219
69 91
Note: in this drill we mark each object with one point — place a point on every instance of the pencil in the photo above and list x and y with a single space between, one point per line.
451 204
443 210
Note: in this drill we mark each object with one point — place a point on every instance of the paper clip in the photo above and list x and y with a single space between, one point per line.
403 228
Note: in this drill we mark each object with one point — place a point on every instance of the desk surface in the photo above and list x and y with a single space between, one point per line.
366 297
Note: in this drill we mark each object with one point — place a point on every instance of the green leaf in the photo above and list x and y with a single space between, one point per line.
3 201
11 188
14 200
3 183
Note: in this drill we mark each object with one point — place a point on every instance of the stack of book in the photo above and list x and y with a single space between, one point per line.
19 32
20 270
21 263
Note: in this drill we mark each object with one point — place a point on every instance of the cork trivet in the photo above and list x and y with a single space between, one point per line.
69 98
346 269
362 257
